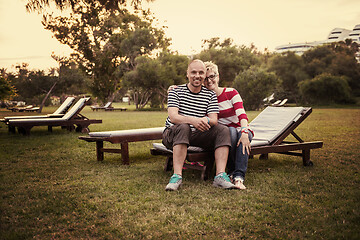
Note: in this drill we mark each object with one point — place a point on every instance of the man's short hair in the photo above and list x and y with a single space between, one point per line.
196 60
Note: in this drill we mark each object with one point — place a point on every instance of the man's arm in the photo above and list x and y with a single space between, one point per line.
199 123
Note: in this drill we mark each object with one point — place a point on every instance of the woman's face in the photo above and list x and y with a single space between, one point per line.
212 80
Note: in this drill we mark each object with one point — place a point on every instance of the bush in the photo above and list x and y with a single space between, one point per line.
254 85
326 89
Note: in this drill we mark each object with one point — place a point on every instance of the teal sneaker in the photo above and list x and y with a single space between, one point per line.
174 183
222 180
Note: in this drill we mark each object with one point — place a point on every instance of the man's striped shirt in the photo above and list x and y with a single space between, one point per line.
192 104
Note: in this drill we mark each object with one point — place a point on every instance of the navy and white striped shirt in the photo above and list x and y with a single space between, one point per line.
192 104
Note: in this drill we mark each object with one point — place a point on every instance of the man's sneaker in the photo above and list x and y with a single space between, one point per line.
222 180
239 183
174 183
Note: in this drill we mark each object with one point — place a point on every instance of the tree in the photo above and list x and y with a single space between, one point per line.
106 43
289 67
143 80
7 90
338 59
254 84
42 5
173 72
34 86
326 89
231 59
151 78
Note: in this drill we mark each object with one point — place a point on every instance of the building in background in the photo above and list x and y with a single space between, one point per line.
336 35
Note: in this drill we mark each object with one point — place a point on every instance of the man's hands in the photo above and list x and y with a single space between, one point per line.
201 124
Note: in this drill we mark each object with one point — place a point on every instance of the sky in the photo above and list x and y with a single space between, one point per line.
265 23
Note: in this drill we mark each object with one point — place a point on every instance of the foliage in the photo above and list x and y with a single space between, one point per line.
173 72
254 84
143 80
7 90
337 59
106 43
326 89
231 59
32 85
151 78
289 68
42 5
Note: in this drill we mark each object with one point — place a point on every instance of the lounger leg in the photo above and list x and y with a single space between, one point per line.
99 152
12 129
24 130
306 157
168 164
209 165
264 156
125 153
49 128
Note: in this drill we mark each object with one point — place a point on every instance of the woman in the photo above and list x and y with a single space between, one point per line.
233 115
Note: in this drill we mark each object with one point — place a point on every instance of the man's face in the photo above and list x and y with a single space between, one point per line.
196 74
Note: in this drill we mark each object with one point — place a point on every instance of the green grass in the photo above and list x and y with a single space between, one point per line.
52 187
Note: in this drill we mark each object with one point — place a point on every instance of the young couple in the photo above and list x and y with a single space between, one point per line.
193 116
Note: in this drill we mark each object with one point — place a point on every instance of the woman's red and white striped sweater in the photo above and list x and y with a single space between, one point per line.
231 108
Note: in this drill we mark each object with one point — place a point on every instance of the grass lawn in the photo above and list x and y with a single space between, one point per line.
52 187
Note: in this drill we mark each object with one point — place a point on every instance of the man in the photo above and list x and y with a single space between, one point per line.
192 120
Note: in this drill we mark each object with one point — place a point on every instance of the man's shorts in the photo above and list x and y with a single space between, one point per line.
216 136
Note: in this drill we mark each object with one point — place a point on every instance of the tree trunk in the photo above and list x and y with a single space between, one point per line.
46 97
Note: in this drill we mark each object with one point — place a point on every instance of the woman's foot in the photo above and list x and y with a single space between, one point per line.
239 183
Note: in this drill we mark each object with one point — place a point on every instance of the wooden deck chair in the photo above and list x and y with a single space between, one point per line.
281 103
59 112
107 105
122 137
276 103
271 127
21 109
71 118
33 109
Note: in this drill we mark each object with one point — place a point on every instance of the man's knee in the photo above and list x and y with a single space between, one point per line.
222 136
222 130
183 128
177 134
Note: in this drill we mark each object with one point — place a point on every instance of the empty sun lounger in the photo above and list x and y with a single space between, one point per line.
280 103
122 137
59 112
69 120
271 127
115 109
107 105
21 109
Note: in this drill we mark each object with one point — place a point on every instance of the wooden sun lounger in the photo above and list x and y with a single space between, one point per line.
115 109
272 126
21 109
122 137
68 121
59 112
96 108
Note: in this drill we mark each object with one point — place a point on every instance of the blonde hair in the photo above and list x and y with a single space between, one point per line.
210 66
